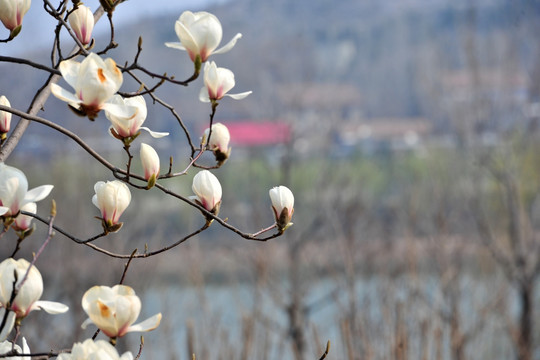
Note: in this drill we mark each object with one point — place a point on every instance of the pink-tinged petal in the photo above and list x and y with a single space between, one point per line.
146 325
229 45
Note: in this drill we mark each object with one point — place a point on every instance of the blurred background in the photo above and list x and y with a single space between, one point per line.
408 133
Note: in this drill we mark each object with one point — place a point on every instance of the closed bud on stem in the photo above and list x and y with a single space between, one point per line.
207 191
150 164
12 13
81 21
283 206
5 116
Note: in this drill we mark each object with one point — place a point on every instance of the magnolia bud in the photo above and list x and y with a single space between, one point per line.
12 13
150 163
82 23
207 189
5 116
219 142
283 205
111 198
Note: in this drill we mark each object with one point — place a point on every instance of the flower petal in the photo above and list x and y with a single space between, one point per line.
64 95
70 71
50 307
10 322
154 134
123 111
229 45
203 95
38 193
175 45
239 96
3 210
147 325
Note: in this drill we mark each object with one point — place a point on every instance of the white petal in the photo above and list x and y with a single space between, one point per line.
203 95
229 45
123 111
38 193
175 45
3 210
64 95
10 322
147 325
86 323
239 96
51 307
154 134
70 71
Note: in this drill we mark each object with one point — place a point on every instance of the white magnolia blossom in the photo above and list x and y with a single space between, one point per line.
23 222
150 162
218 82
283 205
81 21
111 198
12 12
94 350
95 82
14 192
5 116
28 295
127 116
114 310
8 346
207 189
200 34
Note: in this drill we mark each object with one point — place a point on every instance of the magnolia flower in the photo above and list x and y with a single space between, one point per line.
5 116
82 23
95 81
7 346
127 116
207 191
219 141
14 192
218 81
111 198
12 13
283 206
27 298
114 310
150 163
23 222
98 350
200 34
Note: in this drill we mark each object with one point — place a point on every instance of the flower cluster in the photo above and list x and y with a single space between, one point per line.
95 85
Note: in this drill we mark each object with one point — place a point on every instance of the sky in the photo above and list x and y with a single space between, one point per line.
38 26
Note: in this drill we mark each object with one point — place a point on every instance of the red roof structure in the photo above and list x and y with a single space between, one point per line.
249 133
